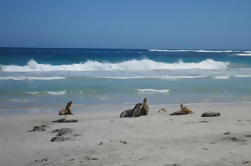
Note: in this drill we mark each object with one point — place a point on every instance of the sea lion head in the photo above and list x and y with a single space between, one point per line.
145 100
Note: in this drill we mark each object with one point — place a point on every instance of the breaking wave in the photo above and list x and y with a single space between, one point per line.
131 65
153 90
244 53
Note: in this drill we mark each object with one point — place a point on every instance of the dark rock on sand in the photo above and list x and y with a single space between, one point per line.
171 165
62 131
248 135
123 142
59 139
183 111
210 114
226 133
64 120
235 139
63 134
246 162
38 128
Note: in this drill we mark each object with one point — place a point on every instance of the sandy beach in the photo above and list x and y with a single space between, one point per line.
102 138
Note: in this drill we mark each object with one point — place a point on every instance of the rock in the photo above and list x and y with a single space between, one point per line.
248 135
203 121
226 133
38 128
245 162
66 110
235 139
162 110
62 131
124 142
59 139
210 114
64 120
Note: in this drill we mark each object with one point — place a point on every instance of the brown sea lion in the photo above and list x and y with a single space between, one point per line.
183 111
145 107
66 110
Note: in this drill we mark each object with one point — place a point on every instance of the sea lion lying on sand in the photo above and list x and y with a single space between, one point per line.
66 110
131 112
183 111
210 114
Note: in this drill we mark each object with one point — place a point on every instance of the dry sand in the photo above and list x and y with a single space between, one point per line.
102 138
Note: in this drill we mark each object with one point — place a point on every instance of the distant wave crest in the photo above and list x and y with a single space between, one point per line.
132 65
187 50
19 78
45 93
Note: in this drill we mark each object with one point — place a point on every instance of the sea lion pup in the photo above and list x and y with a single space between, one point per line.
131 112
66 110
145 107
183 111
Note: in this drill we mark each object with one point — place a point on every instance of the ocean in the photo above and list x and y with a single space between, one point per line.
43 77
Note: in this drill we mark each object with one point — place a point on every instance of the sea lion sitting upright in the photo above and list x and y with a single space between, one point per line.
183 111
66 110
145 107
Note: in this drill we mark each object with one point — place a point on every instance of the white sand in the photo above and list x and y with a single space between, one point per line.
155 140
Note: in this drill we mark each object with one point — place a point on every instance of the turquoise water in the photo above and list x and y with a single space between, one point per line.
31 77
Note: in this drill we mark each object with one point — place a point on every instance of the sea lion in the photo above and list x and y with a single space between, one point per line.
137 110
210 114
66 110
145 107
131 112
183 111
162 110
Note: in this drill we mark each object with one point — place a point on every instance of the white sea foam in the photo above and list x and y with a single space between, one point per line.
56 92
222 77
155 77
244 53
131 65
187 50
30 78
46 92
153 90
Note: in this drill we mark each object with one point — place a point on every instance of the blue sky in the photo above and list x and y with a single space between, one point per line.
202 24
